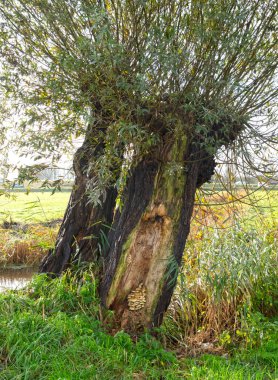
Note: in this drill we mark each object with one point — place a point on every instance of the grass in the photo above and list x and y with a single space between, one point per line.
34 207
260 364
27 230
225 304
228 288
26 244
223 209
55 331
43 206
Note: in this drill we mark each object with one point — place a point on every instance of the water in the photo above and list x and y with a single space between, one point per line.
15 278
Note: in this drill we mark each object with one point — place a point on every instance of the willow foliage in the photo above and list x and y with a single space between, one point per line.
134 69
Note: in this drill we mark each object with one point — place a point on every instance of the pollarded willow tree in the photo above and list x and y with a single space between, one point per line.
156 88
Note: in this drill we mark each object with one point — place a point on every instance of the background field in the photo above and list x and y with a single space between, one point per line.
33 207
256 207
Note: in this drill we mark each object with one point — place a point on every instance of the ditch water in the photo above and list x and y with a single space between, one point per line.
15 278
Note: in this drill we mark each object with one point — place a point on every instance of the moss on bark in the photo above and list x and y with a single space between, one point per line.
147 249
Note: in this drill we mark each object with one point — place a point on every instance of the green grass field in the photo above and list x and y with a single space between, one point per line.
55 329
34 236
54 332
264 205
43 206
33 207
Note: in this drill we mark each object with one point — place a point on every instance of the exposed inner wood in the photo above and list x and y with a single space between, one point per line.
145 262
147 250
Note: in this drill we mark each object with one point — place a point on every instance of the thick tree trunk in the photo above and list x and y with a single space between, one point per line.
79 237
147 238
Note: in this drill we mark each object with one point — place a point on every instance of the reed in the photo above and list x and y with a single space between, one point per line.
25 244
227 288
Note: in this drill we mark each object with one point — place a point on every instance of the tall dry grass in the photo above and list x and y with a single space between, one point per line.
228 284
25 244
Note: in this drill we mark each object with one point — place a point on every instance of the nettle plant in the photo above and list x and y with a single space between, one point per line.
156 89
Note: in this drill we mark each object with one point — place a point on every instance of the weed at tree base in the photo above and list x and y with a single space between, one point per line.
226 291
224 304
52 330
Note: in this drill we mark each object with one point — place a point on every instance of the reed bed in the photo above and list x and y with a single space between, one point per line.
227 289
25 244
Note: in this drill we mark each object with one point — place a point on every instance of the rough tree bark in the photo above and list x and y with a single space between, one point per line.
79 235
147 238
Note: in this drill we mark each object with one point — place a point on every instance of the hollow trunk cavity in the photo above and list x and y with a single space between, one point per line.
148 237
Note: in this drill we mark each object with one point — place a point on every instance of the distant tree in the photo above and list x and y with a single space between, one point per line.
156 88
